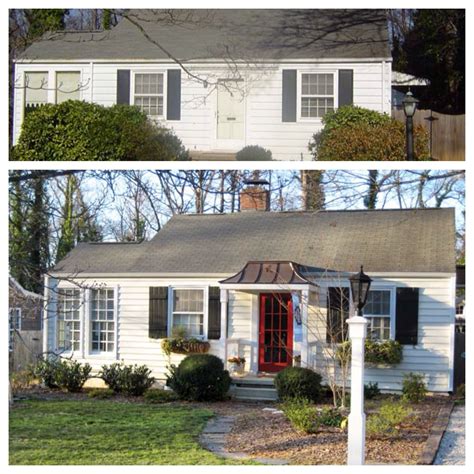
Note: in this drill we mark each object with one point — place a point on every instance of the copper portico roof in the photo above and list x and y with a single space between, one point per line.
270 272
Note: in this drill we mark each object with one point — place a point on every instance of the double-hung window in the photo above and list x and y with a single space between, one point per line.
188 311
378 312
68 329
14 323
36 90
68 86
102 320
149 93
317 95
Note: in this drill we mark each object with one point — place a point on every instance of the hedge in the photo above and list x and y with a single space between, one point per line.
81 131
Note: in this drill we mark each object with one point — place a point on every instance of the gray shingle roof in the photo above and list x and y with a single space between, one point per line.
227 33
383 241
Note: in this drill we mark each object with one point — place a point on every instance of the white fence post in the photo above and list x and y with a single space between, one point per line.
356 435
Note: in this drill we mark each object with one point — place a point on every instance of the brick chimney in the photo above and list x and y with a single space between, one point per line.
254 197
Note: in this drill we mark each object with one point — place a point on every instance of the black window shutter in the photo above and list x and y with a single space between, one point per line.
288 112
123 86
346 87
158 312
214 311
406 324
337 313
173 102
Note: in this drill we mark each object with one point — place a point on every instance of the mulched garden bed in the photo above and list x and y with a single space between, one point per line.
262 434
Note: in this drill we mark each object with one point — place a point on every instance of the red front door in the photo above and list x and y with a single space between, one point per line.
276 332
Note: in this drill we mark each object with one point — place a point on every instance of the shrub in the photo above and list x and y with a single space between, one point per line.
413 388
101 393
254 153
353 134
331 417
136 380
389 418
371 390
129 379
160 396
306 417
199 377
302 415
76 131
47 371
21 380
298 382
111 375
72 375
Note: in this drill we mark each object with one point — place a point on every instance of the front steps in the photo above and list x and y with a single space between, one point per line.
253 389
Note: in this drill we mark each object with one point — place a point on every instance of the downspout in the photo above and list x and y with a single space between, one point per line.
45 315
383 86
92 81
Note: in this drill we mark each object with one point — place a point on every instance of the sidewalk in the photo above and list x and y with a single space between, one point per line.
452 447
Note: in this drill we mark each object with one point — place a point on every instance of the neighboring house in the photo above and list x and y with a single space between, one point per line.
258 284
402 83
25 320
221 79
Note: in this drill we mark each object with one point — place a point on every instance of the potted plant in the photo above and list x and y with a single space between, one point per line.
237 364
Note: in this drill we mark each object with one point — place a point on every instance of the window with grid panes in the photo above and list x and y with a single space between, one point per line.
378 311
188 311
149 93
317 95
68 328
102 317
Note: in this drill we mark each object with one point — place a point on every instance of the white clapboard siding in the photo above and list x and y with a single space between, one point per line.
263 101
432 356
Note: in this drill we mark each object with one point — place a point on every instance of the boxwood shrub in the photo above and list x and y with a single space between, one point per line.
199 377
254 153
298 383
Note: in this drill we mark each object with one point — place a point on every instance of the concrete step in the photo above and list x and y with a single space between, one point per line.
212 156
253 389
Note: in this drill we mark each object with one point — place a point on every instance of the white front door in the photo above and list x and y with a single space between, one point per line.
230 114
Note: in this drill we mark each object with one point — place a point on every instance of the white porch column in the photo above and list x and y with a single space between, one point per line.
304 328
356 435
223 338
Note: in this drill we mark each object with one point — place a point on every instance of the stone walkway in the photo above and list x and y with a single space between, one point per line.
213 438
452 448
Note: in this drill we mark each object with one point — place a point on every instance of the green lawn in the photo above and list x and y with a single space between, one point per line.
107 432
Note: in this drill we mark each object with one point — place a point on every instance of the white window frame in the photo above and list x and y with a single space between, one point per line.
97 352
165 90
205 290
55 78
80 320
392 301
13 327
299 94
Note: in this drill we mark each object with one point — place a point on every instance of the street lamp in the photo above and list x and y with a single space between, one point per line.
360 285
409 108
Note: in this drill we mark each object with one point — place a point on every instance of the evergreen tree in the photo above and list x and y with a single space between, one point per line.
370 201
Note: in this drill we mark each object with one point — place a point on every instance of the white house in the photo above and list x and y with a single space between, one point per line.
221 79
265 286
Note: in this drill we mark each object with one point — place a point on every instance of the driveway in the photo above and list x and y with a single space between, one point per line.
452 447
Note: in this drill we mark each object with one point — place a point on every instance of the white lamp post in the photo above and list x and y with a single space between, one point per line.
360 284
